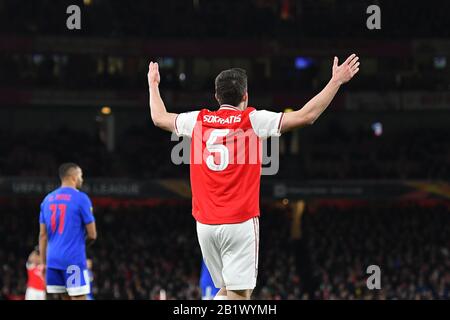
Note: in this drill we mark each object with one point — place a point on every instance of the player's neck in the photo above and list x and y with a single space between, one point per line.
68 185
241 106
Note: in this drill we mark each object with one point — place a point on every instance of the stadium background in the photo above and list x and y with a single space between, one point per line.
367 184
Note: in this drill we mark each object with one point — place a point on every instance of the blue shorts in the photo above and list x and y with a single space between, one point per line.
74 281
209 292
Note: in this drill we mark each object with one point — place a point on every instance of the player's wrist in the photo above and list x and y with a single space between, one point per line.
154 85
336 82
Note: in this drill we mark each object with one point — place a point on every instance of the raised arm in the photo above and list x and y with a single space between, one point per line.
314 107
161 118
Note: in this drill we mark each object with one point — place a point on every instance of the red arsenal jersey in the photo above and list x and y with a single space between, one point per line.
35 277
225 160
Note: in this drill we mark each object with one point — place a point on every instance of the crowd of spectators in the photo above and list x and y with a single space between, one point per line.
285 23
198 18
141 250
344 154
410 244
275 73
144 152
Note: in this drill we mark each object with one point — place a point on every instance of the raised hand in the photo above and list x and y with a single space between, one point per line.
346 71
153 74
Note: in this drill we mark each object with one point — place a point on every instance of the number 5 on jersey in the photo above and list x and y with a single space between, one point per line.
222 150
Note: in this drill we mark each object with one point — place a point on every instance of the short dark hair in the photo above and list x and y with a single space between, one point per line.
231 86
65 168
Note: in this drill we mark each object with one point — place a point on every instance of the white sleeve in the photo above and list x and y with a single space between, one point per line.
185 122
266 123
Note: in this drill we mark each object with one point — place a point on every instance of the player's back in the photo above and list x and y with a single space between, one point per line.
65 212
225 180
226 162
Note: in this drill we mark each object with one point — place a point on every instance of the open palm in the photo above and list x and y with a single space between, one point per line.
346 70
153 74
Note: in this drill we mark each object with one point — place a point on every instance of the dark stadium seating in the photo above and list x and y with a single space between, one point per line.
141 250
331 155
373 170
259 18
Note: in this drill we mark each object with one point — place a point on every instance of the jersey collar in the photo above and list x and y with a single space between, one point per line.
228 107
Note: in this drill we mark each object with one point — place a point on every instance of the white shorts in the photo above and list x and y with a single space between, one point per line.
34 294
230 252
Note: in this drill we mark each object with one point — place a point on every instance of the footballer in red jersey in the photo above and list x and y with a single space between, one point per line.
225 168
35 274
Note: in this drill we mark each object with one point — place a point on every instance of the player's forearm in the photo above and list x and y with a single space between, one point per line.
157 107
318 104
160 117
43 248
312 109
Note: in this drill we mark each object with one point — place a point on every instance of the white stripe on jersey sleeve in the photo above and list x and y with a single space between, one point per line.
266 123
185 122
